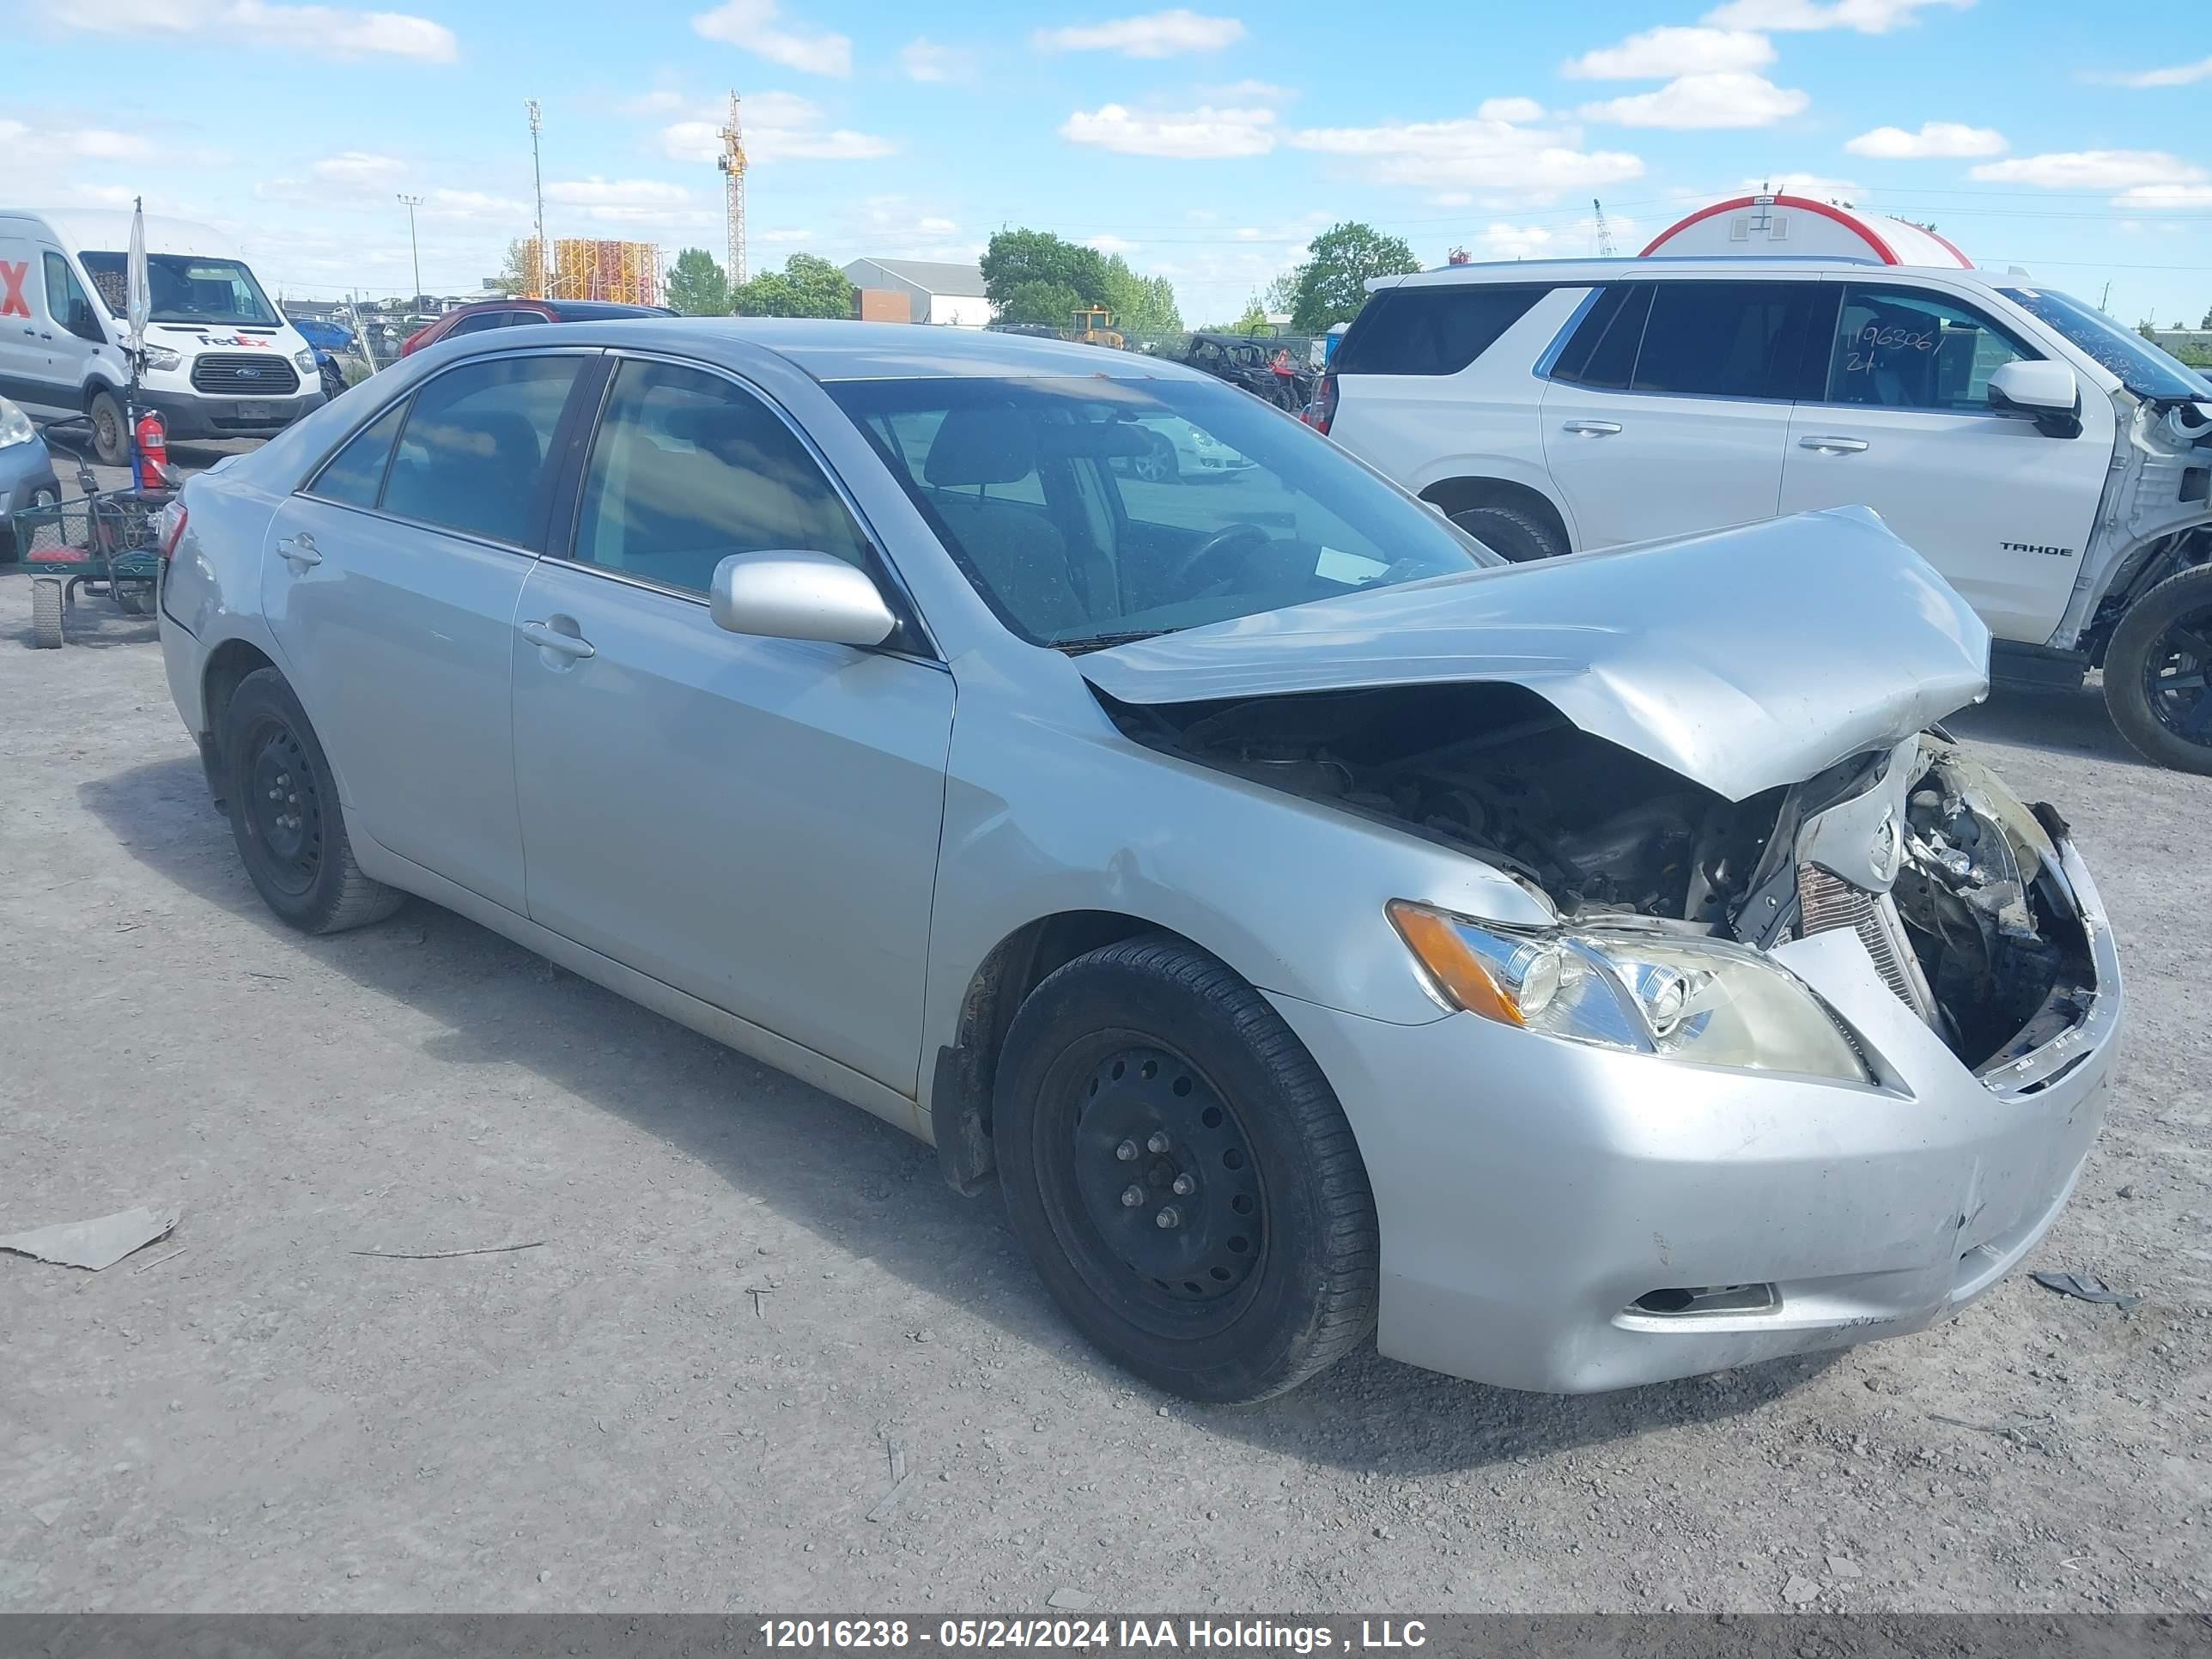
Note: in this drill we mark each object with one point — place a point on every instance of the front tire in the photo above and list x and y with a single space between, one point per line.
285 815
111 433
1510 533
1182 1176
2158 672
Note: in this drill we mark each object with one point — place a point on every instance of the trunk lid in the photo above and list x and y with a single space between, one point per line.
1742 659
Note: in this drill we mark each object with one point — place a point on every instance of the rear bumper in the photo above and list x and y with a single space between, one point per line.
1531 1191
190 414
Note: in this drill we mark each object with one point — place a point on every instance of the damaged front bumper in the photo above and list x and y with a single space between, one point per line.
1560 1218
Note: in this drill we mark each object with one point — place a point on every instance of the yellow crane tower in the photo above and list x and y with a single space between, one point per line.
731 161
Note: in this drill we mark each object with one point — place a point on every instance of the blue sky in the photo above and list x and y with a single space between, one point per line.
1205 143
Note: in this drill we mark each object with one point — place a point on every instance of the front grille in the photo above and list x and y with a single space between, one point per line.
246 375
1825 903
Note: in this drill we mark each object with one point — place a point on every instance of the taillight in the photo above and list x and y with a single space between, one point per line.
174 531
1324 405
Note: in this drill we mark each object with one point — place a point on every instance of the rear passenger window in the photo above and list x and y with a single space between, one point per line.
1436 329
1727 340
355 473
689 469
472 456
1602 351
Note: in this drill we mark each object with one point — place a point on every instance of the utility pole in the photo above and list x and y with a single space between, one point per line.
537 178
413 247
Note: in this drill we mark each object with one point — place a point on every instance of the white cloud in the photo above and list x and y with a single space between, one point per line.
779 126
2165 196
360 168
2173 74
618 192
1519 110
783 238
922 60
325 31
473 204
1158 34
1503 242
1660 54
2093 170
1202 134
1112 245
1702 101
1820 187
1947 140
666 101
1866 16
1249 92
752 25
1490 155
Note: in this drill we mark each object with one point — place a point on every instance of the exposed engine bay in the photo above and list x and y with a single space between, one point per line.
1977 934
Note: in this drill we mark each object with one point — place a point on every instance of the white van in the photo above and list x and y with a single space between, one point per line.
2052 465
221 359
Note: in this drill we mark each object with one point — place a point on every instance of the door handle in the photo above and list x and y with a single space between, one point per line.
1834 446
1593 428
552 639
298 551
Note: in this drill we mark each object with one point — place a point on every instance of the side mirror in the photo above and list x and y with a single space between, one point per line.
2044 392
799 595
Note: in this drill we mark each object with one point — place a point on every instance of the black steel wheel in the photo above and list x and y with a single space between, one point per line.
1182 1175
285 814
2158 672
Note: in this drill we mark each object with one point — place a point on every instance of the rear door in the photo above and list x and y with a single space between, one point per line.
1902 425
391 582
27 332
1668 407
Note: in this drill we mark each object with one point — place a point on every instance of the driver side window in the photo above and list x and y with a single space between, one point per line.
1902 348
67 304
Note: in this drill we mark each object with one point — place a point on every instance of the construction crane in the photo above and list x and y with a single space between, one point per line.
1604 231
731 161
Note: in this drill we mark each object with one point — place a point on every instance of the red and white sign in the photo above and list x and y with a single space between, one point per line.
12 277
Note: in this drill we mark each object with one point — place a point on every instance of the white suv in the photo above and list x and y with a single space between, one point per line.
2052 465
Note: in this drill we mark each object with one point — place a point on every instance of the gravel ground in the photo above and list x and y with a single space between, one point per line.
685 1398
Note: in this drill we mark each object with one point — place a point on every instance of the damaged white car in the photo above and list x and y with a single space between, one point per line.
1575 975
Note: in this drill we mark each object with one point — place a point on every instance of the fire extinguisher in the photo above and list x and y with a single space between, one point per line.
153 443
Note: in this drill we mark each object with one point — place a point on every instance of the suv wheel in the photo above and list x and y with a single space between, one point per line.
2158 672
1182 1176
285 816
1510 533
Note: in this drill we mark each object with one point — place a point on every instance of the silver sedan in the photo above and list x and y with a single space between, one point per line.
1572 975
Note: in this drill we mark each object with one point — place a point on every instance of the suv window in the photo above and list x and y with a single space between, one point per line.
1602 351
1431 329
1902 348
689 469
354 475
1730 340
477 321
472 455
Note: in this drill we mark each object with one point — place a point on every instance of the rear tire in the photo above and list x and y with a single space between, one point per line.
1182 1176
1510 533
285 814
2158 672
111 433
46 613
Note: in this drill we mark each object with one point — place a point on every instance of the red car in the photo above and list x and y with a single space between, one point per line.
507 314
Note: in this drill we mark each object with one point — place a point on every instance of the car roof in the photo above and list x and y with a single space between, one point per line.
833 350
591 310
1663 267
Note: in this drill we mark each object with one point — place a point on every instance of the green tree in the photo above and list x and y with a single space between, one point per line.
1140 305
1254 319
807 286
1332 283
1051 303
518 271
697 286
2207 321
1018 257
1282 293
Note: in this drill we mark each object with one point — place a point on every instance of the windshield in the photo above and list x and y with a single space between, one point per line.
186 290
1086 512
2142 367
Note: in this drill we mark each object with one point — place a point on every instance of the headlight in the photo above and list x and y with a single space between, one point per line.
306 360
1702 1000
163 357
15 426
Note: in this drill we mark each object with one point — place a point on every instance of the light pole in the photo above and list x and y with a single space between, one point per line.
412 203
537 178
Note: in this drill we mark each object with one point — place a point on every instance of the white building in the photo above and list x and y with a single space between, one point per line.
1798 224
935 292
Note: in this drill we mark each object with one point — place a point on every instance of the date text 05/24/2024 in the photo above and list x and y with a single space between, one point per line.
996 1635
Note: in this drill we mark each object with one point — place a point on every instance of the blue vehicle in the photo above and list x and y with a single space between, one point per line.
325 335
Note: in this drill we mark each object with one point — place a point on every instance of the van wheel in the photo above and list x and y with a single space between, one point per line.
111 433
1182 1176
1510 533
2158 672
285 815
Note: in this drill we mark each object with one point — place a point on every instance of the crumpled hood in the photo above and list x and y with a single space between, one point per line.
1742 659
